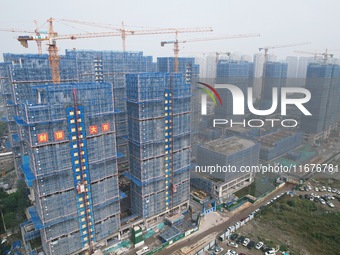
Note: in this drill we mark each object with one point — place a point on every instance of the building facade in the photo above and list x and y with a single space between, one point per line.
235 152
323 82
237 73
159 142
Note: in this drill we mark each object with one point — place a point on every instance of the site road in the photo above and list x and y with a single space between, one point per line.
222 227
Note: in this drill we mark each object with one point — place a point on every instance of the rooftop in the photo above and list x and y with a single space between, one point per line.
272 138
229 145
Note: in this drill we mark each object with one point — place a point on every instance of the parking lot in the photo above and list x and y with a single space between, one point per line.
238 240
240 244
327 196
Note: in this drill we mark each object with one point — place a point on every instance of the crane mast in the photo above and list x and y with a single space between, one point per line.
177 42
53 37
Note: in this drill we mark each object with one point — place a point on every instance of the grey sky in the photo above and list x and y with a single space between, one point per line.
278 22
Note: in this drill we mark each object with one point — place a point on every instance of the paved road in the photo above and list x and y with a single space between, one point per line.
222 227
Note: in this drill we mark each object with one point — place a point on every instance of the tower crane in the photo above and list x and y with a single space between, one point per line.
177 42
37 32
266 49
325 55
127 32
52 37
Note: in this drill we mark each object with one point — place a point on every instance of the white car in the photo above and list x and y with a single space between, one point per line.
330 204
231 252
246 241
329 189
322 201
271 252
259 245
218 249
316 189
232 244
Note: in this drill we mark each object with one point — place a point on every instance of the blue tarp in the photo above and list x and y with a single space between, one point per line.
29 176
35 218
122 195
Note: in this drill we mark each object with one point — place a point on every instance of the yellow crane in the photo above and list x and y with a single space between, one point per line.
325 55
177 42
127 32
52 37
38 34
266 49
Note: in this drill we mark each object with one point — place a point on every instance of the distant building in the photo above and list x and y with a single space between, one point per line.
238 73
211 66
233 151
275 76
323 81
259 61
303 64
278 143
293 63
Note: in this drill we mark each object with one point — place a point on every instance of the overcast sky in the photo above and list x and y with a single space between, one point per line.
279 23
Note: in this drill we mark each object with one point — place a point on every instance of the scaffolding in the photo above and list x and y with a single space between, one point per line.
323 83
190 73
233 151
238 73
278 143
68 131
159 141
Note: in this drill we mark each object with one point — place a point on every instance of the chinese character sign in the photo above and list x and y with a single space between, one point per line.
59 135
93 129
42 138
105 127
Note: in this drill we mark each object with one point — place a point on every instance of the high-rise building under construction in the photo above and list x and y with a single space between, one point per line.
159 141
70 141
323 82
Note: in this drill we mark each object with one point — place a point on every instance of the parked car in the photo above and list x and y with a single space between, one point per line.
259 245
330 204
231 252
218 249
329 189
306 196
232 244
233 236
251 245
246 241
316 189
334 190
270 252
240 240
265 248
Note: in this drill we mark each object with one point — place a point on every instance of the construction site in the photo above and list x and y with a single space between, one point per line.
233 151
109 142
86 126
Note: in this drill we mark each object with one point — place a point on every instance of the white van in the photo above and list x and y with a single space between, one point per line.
144 250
